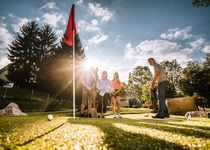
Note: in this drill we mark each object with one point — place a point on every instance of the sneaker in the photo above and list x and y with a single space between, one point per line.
115 116
167 116
119 116
158 116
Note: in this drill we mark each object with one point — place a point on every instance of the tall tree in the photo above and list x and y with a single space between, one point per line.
46 51
23 55
188 82
174 72
196 79
201 3
62 72
139 77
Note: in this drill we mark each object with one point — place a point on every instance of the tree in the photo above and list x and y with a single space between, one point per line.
204 79
46 51
62 70
196 79
201 3
173 71
23 55
139 78
188 82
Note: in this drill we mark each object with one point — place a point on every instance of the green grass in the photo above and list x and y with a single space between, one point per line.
64 132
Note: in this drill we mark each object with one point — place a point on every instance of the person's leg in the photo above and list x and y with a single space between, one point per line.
114 105
118 106
161 97
82 107
105 102
99 106
89 103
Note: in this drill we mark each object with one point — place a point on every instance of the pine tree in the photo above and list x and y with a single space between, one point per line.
22 54
46 50
61 70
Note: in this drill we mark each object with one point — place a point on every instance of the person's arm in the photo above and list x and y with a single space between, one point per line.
85 85
111 90
98 86
156 76
92 86
119 88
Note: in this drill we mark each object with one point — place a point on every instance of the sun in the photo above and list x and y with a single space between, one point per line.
90 63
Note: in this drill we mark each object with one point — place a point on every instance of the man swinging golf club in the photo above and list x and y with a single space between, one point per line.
161 77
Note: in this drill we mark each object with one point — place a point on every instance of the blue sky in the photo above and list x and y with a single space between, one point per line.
117 34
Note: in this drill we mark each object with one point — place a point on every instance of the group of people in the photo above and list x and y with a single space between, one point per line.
97 93
103 90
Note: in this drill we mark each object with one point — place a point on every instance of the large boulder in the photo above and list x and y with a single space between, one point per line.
181 105
12 110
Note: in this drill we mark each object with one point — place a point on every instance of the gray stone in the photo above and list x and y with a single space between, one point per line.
12 110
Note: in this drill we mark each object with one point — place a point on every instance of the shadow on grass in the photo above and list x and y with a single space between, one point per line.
116 138
168 126
37 137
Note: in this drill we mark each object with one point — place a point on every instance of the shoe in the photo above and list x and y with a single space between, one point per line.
167 116
89 115
158 116
119 116
115 116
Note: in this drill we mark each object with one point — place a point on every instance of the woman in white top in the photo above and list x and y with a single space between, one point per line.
104 87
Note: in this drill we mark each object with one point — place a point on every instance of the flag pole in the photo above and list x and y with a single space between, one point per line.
73 74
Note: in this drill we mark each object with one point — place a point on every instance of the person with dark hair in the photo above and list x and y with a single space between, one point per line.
104 89
161 77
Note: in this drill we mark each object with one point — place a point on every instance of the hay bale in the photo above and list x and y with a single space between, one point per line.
180 105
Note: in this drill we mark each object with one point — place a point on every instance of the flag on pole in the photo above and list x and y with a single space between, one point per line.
69 39
71 27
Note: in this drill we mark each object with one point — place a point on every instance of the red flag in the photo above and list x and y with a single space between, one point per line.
68 36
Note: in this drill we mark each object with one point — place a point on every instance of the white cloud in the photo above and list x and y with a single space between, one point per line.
206 49
79 2
97 39
52 18
5 39
177 33
159 49
19 23
102 12
94 22
11 15
48 6
197 43
86 26
3 62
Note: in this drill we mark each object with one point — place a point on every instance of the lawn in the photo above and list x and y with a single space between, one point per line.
133 131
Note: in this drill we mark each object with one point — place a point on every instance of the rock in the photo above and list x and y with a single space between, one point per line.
13 110
180 105
191 114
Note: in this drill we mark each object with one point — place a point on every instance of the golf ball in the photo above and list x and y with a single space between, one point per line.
50 117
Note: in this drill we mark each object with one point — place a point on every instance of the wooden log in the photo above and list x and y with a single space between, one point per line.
180 105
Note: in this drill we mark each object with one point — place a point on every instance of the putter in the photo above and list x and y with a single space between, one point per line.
147 115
